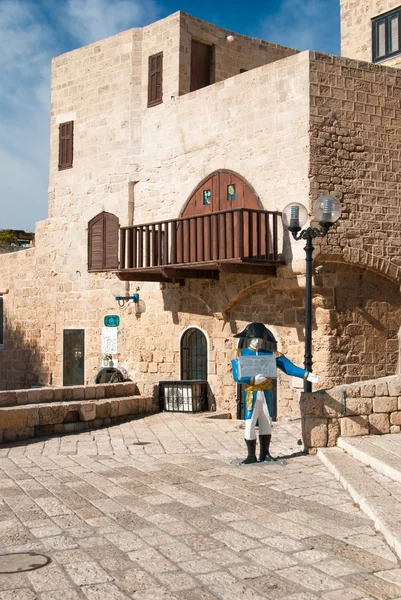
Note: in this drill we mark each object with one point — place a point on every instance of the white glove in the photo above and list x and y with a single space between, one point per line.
260 379
312 378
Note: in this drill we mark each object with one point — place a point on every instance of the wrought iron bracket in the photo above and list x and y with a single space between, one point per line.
310 233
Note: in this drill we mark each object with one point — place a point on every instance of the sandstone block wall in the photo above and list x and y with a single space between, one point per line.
365 408
356 154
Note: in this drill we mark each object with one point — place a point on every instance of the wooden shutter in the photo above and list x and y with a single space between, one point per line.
201 65
95 243
103 242
110 241
66 142
155 79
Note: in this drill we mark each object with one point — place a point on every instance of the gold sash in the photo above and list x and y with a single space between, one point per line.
260 387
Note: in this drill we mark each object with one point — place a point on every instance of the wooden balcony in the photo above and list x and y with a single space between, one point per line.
231 241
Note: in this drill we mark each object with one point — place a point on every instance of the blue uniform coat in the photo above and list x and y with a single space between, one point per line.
283 363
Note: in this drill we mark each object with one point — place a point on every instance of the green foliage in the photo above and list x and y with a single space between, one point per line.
8 236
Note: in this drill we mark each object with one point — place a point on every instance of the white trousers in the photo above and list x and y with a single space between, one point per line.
261 414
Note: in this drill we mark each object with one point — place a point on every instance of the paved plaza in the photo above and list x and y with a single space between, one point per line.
155 509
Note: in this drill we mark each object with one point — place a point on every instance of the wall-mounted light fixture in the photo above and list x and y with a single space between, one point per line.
122 295
230 38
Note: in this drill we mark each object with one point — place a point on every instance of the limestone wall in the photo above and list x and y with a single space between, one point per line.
255 124
356 28
356 154
369 407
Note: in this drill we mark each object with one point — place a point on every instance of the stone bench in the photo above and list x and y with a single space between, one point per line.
39 419
68 393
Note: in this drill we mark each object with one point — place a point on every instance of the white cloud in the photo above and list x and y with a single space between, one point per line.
304 25
92 20
25 53
31 34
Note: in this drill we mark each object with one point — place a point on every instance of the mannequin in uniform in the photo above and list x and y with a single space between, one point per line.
258 400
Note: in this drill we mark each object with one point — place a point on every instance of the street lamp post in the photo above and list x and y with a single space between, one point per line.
327 211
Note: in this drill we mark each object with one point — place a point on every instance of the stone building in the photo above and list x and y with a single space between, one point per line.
167 138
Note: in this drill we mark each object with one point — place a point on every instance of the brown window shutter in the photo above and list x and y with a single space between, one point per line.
95 243
110 241
103 242
155 79
66 142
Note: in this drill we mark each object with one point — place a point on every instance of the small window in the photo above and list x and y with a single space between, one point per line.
155 79
1 322
103 242
66 141
386 35
231 192
207 195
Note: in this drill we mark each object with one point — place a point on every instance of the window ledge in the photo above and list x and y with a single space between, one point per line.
150 104
377 61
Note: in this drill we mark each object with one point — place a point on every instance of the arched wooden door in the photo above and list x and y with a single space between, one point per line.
220 192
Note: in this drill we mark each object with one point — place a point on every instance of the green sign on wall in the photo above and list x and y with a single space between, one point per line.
111 321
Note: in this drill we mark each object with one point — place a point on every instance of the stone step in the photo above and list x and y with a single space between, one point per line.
378 496
382 453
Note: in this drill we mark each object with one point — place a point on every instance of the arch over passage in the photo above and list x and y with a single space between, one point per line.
221 190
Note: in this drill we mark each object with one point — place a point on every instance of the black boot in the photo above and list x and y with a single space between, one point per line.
251 458
264 443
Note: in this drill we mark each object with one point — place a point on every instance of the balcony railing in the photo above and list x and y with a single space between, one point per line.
230 235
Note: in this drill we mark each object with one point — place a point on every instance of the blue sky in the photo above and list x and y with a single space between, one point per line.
33 31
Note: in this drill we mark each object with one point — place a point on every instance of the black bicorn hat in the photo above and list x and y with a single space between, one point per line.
258 330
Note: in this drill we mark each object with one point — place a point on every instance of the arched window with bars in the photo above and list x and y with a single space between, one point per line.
193 355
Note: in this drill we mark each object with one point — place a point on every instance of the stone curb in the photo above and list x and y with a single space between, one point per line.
381 508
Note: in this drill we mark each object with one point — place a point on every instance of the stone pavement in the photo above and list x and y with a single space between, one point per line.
154 509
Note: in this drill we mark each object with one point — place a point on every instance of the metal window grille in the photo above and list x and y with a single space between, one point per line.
183 396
